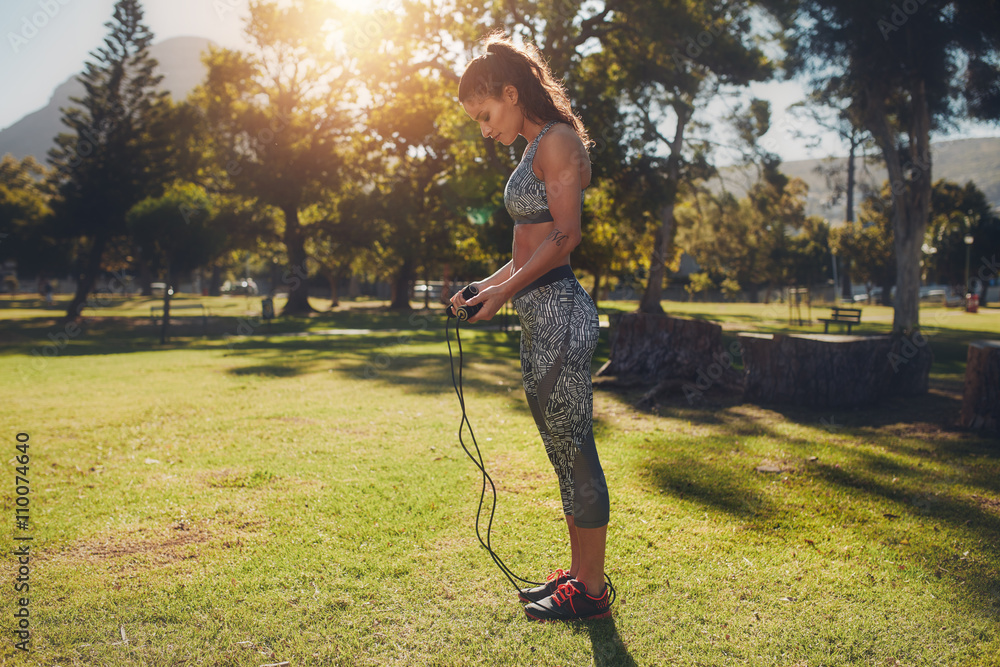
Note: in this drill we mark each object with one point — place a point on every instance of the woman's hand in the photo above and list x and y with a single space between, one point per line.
458 300
493 298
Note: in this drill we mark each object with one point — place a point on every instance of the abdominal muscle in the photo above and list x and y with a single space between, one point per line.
527 238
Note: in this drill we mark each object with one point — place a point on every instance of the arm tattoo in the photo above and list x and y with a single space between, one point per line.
557 236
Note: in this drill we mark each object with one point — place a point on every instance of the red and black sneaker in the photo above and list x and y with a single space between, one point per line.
571 602
553 582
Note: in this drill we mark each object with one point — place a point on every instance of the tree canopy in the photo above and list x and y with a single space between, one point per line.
333 145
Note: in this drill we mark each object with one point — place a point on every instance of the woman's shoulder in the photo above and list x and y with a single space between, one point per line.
561 138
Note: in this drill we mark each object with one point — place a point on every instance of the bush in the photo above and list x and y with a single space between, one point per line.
731 289
699 282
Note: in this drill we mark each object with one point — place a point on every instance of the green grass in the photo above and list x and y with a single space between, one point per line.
246 500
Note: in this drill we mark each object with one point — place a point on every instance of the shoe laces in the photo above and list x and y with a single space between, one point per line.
565 591
557 574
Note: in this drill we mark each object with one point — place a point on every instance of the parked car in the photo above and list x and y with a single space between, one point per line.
245 286
433 288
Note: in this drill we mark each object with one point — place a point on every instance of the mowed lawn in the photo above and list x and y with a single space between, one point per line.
299 495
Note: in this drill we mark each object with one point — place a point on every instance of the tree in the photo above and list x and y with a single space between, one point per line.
904 69
612 243
671 59
866 246
698 283
764 240
832 114
176 235
958 211
344 227
810 252
113 157
25 216
278 118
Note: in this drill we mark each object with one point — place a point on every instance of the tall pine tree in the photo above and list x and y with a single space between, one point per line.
111 158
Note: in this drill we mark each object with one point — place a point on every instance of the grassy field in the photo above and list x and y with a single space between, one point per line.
297 493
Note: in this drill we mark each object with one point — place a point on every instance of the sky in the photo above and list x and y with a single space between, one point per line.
44 42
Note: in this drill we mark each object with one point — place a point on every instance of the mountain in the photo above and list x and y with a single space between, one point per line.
962 160
179 62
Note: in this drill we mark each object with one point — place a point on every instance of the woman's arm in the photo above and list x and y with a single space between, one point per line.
560 163
498 277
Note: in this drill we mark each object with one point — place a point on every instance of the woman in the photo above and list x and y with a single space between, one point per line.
510 91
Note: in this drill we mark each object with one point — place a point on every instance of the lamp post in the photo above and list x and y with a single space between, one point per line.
968 248
836 285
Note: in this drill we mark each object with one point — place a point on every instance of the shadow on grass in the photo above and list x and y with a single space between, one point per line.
904 458
267 371
609 649
719 487
947 506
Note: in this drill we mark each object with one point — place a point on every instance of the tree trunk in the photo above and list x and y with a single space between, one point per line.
333 279
981 402
845 272
911 197
849 213
401 286
846 292
885 298
87 279
145 276
651 297
296 276
215 282
653 294
595 295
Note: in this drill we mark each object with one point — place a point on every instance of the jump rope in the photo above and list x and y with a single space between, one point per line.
461 314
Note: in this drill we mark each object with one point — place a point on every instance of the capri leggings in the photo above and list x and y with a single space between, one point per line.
559 330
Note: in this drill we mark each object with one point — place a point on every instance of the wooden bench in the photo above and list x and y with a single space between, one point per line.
848 316
156 312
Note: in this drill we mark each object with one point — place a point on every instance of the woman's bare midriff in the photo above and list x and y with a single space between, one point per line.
527 238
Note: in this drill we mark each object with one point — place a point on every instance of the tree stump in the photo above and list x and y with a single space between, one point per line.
818 370
910 362
653 348
981 402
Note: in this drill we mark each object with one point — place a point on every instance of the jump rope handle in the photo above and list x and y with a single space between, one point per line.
465 312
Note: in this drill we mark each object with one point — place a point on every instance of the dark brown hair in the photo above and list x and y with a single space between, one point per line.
541 97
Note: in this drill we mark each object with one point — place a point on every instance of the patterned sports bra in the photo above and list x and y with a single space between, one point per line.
524 195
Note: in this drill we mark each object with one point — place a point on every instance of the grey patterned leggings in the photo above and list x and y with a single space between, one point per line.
559 330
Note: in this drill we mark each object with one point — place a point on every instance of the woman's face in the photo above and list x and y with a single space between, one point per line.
499 118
